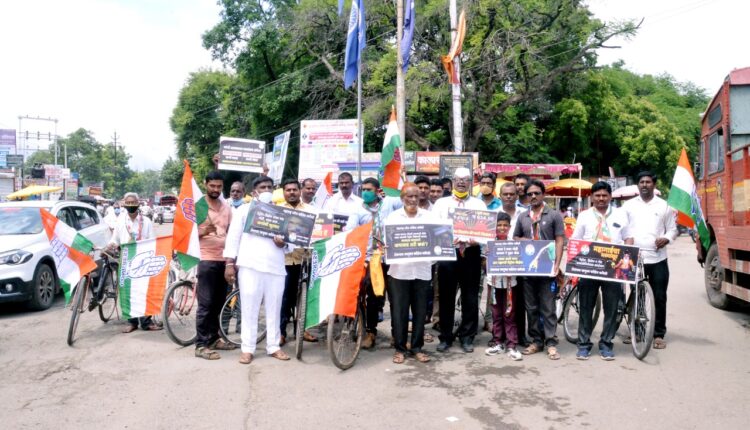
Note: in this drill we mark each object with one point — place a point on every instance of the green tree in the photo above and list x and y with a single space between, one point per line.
171 175
145 183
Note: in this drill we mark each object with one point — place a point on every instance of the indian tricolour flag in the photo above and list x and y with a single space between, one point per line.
338 265
192 210
390 160
324 191
70 251
684 198
144 267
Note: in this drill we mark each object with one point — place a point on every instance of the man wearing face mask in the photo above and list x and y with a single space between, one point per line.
112 214
343 201
258 264
376 210
309 187
129 228
236 195
487 191
447 184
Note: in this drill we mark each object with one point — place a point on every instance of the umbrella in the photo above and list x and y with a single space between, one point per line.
628 192
569 188
33 190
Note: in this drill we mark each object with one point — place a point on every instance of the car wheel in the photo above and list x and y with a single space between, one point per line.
43 292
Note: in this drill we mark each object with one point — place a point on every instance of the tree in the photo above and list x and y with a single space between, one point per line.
145 183
171 175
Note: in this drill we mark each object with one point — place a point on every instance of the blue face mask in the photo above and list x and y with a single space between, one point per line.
237 203
117 211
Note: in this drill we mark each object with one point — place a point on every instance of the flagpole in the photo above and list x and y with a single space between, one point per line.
359 124
400 85
458 135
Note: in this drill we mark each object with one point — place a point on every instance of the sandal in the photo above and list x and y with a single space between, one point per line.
422 357
130 328
531 349
399 358
307 337
659 343
222 345
552 353
207 354
280 355
246 358
154 327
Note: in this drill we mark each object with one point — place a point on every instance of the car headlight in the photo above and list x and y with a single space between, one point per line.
17 256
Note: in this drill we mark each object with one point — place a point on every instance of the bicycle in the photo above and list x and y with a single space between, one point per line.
568 312
345 334
230 319
180 305
639 313
103 294
300 311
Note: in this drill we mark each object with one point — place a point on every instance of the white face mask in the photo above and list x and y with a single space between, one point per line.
265 197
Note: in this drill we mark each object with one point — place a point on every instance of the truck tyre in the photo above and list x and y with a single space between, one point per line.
714 275
43 292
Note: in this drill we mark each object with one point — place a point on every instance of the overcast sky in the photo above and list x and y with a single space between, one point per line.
109 65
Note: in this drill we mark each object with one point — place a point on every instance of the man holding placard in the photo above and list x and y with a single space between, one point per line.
601 223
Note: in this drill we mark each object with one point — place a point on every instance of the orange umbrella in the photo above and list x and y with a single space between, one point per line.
570 188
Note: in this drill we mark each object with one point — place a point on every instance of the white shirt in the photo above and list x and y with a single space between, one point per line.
648 222
111 219
251 251
340 205
128 230
514 218
408 271
587 226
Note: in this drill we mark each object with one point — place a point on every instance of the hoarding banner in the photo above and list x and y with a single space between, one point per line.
323 143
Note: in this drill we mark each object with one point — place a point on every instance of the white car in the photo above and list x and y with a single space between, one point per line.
27 270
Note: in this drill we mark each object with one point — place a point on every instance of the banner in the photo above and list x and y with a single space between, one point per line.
412 242
242 155
520 257
449 164
266 220
474 224
323 143
602 260
276 159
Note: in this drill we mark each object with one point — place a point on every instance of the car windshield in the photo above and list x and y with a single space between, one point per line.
20 221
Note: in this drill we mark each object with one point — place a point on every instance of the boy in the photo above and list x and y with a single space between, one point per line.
504 331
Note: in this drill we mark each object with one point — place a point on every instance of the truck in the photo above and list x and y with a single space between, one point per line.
723 186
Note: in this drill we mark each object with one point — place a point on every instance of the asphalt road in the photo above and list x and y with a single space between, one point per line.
143 380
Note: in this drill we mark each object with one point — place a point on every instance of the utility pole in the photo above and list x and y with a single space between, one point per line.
114 140
400 85
458 135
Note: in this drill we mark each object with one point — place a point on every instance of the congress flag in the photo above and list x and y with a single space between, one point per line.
324 192
684 198
191 211
144 268
390 160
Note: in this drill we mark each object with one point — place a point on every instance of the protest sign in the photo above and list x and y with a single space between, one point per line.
419 241
520 257
323 227
276 159
473 224
339 222
602 260
268 221
242 155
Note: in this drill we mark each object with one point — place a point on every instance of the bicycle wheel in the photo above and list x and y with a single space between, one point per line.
230 320
571 316
299 322
108 290
77 307
178 311
642 319
345 338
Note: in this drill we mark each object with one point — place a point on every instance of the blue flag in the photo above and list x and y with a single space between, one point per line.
341 7
408 36
355 42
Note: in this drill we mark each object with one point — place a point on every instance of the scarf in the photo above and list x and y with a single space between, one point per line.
460 195
602 228
535 227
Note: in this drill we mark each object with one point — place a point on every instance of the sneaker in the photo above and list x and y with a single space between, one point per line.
583 354
443 347
515 354
467 346
606 354
494 350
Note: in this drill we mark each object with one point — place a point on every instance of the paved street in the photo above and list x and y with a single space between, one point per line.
143 380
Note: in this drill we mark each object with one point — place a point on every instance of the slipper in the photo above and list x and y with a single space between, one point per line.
307 337
552 353
659 343
154 327
223 345
246 358
422 357
280 355
531 349
129 328
398 358
207 354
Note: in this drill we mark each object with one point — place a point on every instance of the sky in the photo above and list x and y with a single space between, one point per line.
118 65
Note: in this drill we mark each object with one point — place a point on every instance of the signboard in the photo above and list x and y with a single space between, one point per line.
14 160
323 143
411 242
520 257
94 191
266 220
277 158
615 182
449 164
429 162
242 155
7 141
410 161
71 189
3 159
602 260
64 173
479 225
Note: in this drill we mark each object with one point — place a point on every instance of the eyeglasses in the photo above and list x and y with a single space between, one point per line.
534 193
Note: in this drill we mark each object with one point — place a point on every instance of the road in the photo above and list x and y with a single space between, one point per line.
142 380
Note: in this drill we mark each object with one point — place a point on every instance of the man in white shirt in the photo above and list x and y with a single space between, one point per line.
652 224
343 201
601 223
260 272
465 271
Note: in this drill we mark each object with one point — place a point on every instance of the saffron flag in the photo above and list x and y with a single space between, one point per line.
70 250
355 42
324 192
408 36
390 160
191 211
684 198
456 48
144 267
338 265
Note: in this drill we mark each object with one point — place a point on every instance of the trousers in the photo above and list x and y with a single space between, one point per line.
404 295
464 272
257 287
658 276
504 330
373 303
211 293
289 300
588 289
540 302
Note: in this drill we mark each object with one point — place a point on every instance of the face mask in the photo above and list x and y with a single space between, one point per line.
131 209
236 203
117 211
485 190
369 196
446 193
265 197
460 195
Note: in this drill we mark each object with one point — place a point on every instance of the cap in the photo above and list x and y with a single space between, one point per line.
462 172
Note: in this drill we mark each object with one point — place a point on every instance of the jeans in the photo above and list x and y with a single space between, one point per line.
588 289
540 301
519 308
504 329
211 294
405 295
289 300
463 272
658 276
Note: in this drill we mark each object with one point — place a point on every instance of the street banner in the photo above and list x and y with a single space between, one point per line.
449 164
408 242
323 143
428 162
602 260
339 222
241 155
266 220
520 257
474 224
323 227
276 159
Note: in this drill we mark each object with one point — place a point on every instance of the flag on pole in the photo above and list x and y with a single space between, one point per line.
355 42
390 160
191 211
408 36
456 48
324 192
70 250
338 265
684 198
341 7
143 272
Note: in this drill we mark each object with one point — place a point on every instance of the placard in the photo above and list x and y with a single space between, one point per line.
602 260
242 155
449 164
266 220
339 222
424 241
474 224
520 257
323 227
276 159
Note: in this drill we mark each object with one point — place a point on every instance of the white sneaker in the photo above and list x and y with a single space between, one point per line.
494 350
515 355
